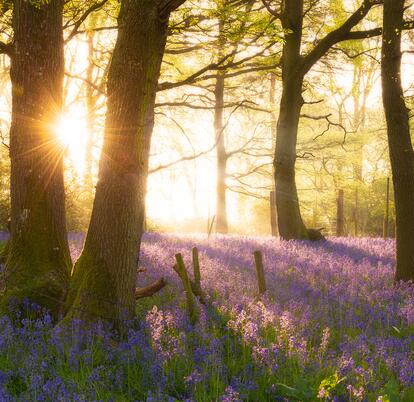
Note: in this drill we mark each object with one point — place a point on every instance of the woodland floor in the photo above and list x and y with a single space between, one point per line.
331 326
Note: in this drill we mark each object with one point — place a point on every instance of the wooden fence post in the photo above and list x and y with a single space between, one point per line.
273 214
340 214
181 270
196 285
196 267
356 212
261 280
387 210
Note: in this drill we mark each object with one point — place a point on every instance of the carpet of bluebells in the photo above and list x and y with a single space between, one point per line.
332 326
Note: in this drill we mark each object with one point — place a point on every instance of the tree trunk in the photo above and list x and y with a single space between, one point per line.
273 131
221 212
223 11
104 278
221 204
38 262
290 221
398 129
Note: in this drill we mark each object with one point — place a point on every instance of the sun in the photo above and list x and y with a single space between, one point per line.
73 134
71 131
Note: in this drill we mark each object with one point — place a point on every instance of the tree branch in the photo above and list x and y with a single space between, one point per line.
168 6
83 17
271 11
193 77
338 35
150 290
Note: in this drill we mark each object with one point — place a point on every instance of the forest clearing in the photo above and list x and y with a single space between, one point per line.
206 200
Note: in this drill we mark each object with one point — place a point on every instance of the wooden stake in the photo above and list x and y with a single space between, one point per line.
196 267
340 214
181 270
196 284
261 281
356 212
273 213
387 210
211 226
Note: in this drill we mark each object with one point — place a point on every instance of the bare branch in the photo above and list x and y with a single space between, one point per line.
91 84
83 17
271 11
183 159
150 290
338 35
323 117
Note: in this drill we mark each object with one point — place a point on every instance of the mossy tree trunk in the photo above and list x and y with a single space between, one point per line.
399 139
103 283
290 221
38 261
295 66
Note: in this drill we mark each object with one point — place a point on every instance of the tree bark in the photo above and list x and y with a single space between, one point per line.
38 262
398 129
290 221
103 284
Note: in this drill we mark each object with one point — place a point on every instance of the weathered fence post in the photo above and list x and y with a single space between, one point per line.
261 280
273 214
181 270
387 210
196 285
356 212
210 229
196 267
340 214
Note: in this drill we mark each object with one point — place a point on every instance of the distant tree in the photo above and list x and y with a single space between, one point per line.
38 262
103 283
243 46
299 56
225 9
399 139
